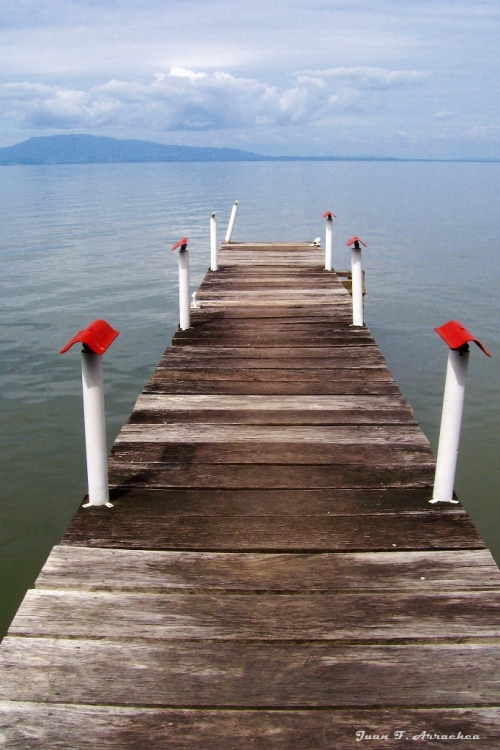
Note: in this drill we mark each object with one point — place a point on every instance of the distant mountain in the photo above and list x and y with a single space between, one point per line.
95 149
92 149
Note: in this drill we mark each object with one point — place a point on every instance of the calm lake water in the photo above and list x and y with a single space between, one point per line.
85 242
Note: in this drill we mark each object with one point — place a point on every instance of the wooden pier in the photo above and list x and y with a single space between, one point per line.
272 575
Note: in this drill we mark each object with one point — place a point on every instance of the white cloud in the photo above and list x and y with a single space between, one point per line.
196 100
372 78
484 131
184 73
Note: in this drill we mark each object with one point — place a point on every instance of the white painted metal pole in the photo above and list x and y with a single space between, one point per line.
329 243
213 243
451 423
231 222
357 286
95 428
184 317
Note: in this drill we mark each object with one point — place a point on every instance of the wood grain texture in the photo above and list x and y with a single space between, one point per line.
185 374
197 674
353 386
363 617
172 454
361 435
122 527
154 571
281 502
34 726
271 410
270 476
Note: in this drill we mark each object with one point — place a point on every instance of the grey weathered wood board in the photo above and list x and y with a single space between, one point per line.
271 574
104 569
254 675
35 726
366 616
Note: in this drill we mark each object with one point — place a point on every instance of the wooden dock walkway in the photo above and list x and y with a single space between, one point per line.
272 575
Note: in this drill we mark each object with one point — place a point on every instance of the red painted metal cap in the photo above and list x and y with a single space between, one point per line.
329 213
180 243
455 335
355 239
98 337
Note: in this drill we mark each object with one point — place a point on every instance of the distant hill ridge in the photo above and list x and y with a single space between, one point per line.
96 149
93 149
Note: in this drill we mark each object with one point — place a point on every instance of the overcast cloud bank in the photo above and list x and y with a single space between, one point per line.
418 78
195 100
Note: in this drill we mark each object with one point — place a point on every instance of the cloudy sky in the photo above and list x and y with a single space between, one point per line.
407 78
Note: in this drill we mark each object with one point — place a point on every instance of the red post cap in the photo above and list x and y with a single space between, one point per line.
353 241
455 335
181 243
98 337
328 215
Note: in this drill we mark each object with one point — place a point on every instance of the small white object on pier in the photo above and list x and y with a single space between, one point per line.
96 339
213 244
457 338
95 428
357 280
328 215
231 222
184 315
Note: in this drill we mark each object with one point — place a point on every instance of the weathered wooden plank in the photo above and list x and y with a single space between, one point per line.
360 435
271 416
345 332
94 527
269 410
368 616
327 336
339 309
303 404
256 263
100 569
37 726
191 453
264 313
282 246
368 356
191 338
271 476
253 283
248 675
274 257
277 374
319 356
159 384
332 367
279 502
276 296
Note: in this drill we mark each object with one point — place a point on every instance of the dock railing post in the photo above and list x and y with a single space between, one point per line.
184 315
213 243
457 338
329 240
96 339
231 222
357 280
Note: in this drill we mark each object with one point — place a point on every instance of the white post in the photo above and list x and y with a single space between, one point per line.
329 243
213 243
95 428
357 286
184 317
451 423
231 222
